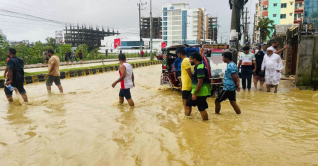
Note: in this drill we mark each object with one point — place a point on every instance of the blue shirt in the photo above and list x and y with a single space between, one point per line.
228 83
177 64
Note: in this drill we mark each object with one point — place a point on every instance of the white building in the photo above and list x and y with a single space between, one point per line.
3 35
128 44
182 25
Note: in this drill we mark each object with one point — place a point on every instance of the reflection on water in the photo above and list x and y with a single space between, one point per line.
86 126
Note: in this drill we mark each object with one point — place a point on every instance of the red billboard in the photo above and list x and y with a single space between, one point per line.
116 43
163 45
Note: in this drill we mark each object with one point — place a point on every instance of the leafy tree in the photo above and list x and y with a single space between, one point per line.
84 49
94 53
38 48
51 42
49 47
22 51
65 48
4 47
265 26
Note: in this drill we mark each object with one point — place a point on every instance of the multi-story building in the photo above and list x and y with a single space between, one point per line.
213 29
256 21
299 10
78 35
282 12
182 25
156 27
311 13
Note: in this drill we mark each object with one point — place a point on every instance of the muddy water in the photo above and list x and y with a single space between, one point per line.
85 126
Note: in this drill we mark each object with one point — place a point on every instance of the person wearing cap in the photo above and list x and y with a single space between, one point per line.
272 65
248 67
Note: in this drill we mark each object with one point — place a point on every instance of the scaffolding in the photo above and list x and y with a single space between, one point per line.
78 35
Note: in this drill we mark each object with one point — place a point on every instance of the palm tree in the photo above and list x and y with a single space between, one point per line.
264 26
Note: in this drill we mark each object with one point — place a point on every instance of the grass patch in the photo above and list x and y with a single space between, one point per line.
79 68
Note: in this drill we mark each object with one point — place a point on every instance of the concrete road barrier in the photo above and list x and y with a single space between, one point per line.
79 73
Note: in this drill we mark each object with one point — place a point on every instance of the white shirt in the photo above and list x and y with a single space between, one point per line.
273 62
273 48
127 83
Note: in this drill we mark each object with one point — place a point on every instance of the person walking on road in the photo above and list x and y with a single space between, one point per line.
258 75
126 80
272 65
80 56
186 75
15 76
54 72
247 60
74 56
275 47
201 87
231 84
142 53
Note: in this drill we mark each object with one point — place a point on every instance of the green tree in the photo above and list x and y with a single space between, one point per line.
84 49
4 47
265 25
22 51
94 53
65 48
38 48
51 42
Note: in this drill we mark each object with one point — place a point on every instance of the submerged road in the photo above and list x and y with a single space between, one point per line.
86 126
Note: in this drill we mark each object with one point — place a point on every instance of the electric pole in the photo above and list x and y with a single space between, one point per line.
236 6
151 56
139 8
245 27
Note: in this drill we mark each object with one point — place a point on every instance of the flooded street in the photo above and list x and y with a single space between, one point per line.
86 126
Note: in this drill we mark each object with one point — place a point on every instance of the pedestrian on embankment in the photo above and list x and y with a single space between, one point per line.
80 55
54 72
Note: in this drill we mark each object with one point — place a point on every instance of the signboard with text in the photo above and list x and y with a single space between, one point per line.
216 46
58 37
233 44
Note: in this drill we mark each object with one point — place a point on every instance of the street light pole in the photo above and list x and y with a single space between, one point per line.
151 56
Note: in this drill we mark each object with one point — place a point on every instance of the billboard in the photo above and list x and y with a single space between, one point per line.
58 37
116 43
163 45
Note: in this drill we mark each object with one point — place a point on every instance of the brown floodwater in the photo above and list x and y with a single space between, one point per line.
86 126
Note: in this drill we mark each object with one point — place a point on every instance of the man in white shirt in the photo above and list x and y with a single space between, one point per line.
275 46
272 65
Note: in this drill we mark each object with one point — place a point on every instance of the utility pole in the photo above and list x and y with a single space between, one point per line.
235 23
151 56
245 27
139 8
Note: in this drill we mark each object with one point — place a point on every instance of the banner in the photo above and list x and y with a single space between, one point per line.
116 43
58 37
163 45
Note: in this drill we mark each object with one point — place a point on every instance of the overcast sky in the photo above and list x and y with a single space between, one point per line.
117 14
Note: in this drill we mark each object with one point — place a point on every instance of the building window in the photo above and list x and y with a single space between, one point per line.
165 18
165 33
165 38
290 14
165 9
300 5
275 4
165 13
165 28
282 16
274 15
165 24
291 3
284 5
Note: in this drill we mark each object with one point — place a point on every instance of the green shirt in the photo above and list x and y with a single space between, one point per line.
200 72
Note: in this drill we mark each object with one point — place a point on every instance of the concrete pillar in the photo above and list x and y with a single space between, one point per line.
305 61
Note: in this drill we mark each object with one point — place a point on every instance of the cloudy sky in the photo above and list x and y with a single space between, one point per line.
117 14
